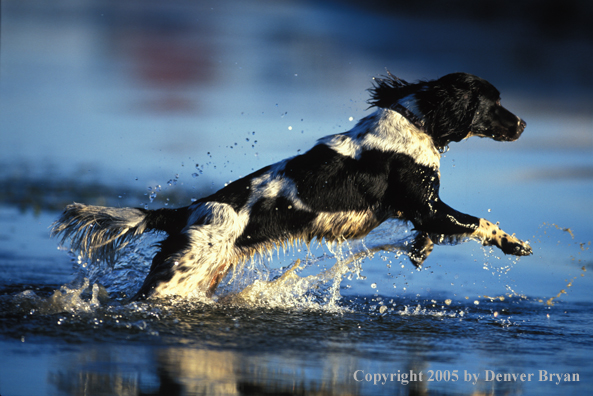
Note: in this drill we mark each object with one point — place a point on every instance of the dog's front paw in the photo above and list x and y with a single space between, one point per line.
420 249
491 235
511 245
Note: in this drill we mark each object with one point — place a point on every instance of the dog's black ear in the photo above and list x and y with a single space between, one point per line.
449 105
387 90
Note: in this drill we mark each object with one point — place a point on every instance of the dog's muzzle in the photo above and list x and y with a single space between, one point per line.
520 128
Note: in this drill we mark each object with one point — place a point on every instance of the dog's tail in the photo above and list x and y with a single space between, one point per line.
101 232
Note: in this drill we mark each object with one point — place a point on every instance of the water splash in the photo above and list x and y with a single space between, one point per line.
124 277
580 259
309 281
256 285
69 298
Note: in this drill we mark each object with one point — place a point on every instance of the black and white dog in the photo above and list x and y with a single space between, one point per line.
386 167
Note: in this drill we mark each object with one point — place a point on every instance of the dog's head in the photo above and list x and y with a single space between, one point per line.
452 108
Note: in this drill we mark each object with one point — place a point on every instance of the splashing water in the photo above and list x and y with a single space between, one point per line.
309 280
125 276
67 299
256 285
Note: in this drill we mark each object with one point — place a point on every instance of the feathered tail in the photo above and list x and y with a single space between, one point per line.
100 232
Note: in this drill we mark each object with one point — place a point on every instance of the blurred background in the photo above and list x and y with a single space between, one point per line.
124 97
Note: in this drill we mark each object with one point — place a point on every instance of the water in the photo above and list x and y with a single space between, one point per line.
156 106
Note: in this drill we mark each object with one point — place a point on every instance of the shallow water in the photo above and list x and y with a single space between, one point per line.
194 348
122 106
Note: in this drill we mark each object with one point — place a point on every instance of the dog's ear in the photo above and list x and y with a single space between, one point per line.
387 90
456 117
449 105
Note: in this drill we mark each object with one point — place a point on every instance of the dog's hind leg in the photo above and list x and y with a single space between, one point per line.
183 269
219 275
165 264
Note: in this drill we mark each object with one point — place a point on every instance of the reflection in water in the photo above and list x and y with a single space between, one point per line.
186 371
190 348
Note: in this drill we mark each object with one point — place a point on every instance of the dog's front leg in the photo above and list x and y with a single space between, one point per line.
440 219
420 248
491 235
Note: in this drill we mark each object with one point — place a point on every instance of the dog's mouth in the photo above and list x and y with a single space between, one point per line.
502 133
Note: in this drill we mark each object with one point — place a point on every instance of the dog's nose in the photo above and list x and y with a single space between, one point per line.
522 125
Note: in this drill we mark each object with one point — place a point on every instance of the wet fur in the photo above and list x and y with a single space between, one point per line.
386 167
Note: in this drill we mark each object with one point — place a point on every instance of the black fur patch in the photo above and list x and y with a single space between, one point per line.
237 193
330 182
272 220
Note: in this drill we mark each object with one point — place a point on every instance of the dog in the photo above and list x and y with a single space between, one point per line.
386 167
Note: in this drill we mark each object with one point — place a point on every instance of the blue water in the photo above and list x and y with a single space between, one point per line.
153 105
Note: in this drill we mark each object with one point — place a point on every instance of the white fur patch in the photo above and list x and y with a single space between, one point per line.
211 248
272 184
343 145
393 132
388 131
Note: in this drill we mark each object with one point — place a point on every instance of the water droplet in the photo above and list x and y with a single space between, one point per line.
374 285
